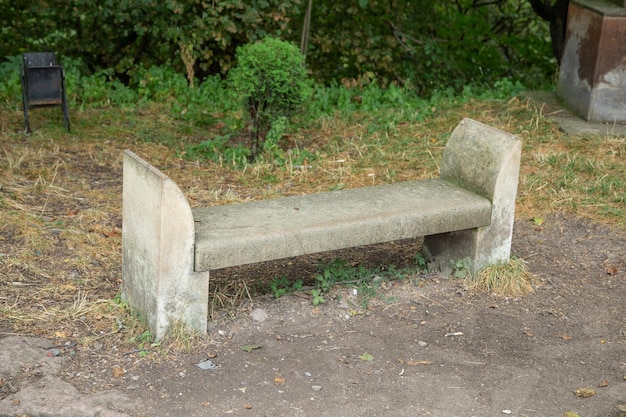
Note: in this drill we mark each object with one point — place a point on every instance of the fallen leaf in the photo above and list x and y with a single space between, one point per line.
585 392
247 406
16 402
63 334
279 381
565 337
366 357
612 270
411 362
211 355
622 407
603 384
111 233
538 221
571 414
249 348
118 372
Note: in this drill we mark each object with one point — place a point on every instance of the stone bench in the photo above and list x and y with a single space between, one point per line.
168 249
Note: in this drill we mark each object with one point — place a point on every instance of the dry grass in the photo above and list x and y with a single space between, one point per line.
511 279
60 194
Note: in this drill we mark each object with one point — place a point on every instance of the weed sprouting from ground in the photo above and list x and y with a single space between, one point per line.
365 282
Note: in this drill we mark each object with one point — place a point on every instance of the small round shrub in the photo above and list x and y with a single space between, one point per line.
271 78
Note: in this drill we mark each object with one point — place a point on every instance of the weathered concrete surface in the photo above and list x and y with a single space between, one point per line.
31 366
158 231
553 107
280 228
592 77
486 161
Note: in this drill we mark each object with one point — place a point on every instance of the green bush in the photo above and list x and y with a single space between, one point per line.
271 78
10 83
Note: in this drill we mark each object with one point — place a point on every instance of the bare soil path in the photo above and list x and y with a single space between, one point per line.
422 350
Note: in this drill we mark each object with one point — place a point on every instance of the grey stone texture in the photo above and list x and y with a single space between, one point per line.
158 243
168 249
298 225
32 360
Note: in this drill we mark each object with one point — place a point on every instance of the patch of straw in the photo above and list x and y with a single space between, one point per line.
227 298
510 279
181 338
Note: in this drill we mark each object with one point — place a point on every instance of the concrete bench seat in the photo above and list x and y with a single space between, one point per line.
168 249
299 225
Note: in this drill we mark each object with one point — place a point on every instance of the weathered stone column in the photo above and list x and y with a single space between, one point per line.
592 78
486 161
158 238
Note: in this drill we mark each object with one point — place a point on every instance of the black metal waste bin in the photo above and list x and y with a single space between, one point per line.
43 84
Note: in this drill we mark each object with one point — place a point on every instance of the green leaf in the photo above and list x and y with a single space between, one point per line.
366 357
249 348
363 3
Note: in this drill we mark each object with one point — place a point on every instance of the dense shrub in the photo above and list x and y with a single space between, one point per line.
194 37
430 45
272 80
420 43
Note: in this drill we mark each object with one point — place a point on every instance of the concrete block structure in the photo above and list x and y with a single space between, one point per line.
592 76
168 249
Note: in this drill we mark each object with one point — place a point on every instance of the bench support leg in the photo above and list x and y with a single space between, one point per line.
484 160
158 232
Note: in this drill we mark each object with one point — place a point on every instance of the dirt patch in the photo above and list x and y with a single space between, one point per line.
430 349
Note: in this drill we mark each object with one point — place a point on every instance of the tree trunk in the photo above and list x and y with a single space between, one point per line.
555 12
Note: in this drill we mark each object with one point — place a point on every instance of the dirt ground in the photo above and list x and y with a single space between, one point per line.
430 349
425 347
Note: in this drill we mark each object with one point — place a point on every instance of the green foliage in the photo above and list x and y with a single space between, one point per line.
336 272
281 286
461 268
370 97
128 35
366 281
272 80
420 44
318 298
10 83
430 45
420 261
219 149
